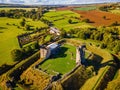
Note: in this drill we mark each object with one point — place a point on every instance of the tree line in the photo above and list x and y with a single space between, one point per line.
109 37
34 14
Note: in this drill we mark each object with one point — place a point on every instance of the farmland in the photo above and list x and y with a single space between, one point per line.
115 11
96 17
60 19
93 29
8 37
86 8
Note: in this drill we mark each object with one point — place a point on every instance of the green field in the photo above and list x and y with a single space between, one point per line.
86 8
8 33
62 63
115 11
28 9
60 19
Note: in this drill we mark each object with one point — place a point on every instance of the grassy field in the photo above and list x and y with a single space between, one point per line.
62 63
86 8
8 38
115 11
60 19
28 9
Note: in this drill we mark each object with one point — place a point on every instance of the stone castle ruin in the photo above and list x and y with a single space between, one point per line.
80 55
50 50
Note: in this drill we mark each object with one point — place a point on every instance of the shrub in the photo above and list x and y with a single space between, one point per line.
86 20
28 50
70 21
35 46
27 27
17 54
7 24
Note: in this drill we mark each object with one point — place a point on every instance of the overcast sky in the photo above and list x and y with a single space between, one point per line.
56 1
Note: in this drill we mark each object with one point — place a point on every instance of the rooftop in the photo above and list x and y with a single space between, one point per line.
53 45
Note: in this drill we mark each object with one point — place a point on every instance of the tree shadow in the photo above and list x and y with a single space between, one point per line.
61 53
95 61
91 22
4 68
74 22
108 63
2 28
1 32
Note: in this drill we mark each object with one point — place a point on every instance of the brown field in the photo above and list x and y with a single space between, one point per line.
96 17
64 8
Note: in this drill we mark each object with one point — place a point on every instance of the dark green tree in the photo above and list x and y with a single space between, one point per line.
70 21
17 54
22 23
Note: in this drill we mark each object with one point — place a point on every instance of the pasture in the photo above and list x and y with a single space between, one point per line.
60 19
115 11
62 63
88 8
8 39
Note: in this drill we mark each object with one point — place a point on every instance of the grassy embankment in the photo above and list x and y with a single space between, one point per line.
105 59
100 61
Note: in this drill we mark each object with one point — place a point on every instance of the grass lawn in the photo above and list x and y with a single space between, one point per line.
115 11
86 8
8 40
60 19
62 63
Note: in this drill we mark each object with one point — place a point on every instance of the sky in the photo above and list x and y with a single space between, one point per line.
56 1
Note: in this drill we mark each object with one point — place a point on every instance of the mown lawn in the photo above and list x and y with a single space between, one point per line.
8 40
61 63
60 19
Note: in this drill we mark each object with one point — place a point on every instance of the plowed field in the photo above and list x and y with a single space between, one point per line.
96 17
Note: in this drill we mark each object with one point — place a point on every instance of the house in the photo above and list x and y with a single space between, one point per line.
50 50
80 55
54 30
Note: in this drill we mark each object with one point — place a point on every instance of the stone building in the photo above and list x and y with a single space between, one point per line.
54 30
50 50
80 55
